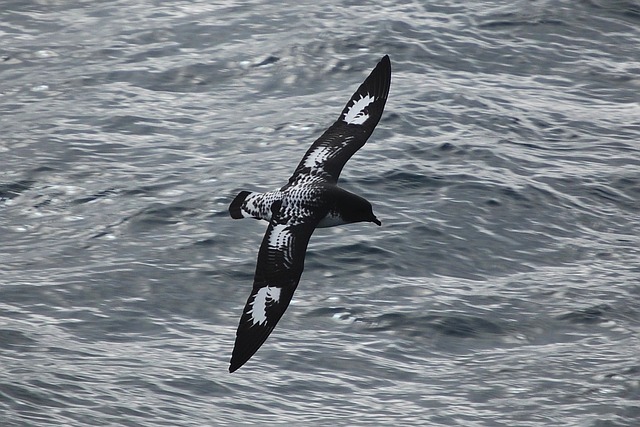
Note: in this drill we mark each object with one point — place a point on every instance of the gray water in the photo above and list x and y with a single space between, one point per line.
502 290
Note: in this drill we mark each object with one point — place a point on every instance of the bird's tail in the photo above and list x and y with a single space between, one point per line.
235 208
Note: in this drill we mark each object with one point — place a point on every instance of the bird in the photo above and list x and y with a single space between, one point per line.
310 199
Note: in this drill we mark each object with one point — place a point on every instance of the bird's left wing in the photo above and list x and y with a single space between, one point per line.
329 153
278 271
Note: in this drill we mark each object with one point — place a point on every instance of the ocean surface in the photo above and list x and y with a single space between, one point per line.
503 288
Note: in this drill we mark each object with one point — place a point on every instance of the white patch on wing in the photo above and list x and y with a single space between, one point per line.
278 236
356 114
280 240
317 156
265 296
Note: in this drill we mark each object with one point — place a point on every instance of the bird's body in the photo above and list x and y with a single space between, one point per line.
311 199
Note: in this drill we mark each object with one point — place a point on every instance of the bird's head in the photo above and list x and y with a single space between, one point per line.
359 210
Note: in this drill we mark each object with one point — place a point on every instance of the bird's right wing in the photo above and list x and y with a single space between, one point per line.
278 271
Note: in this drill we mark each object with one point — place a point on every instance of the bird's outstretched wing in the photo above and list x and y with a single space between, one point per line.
278 271
329 153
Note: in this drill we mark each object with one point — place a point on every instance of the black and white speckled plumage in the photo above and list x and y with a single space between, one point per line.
310 199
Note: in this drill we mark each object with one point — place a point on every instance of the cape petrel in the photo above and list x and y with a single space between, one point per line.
309 200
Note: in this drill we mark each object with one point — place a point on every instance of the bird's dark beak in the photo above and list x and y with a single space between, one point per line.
376 221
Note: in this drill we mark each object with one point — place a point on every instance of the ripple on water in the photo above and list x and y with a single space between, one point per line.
501 286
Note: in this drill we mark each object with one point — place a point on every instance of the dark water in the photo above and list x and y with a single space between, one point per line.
502 290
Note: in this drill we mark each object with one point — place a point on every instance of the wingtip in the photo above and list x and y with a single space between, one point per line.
239 358
385 62
382 79
236 364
